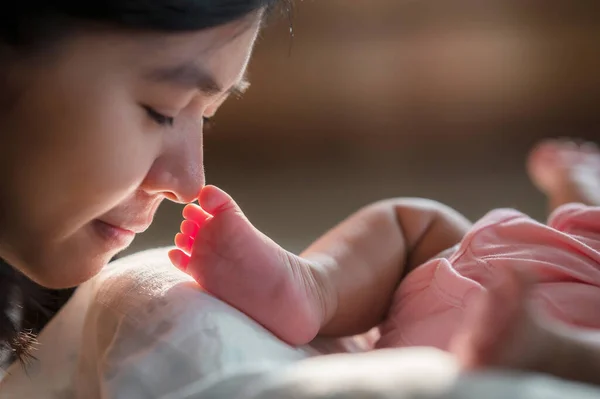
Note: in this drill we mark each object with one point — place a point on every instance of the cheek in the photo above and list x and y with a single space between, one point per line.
83 158
114 156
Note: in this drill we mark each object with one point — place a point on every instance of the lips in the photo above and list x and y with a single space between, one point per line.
134 216
132 227
113 238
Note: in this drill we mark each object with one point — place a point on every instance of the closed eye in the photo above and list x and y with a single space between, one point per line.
159 118
165 120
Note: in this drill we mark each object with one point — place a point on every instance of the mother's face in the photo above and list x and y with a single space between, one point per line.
97 132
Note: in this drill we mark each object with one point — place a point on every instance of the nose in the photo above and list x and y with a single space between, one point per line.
178 172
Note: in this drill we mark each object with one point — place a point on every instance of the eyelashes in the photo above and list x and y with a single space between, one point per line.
169 121
159 118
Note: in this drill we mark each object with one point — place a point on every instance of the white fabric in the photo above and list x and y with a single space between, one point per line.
143 329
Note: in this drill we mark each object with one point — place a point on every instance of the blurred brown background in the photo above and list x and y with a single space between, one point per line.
381 98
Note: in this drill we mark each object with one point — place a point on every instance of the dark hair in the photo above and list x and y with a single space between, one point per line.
27 25
39 21
25 308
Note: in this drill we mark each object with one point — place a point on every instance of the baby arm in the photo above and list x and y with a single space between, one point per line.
364 258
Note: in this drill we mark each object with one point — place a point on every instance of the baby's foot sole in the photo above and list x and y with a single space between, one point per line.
241 266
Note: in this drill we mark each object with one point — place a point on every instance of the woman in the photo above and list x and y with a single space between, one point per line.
103 105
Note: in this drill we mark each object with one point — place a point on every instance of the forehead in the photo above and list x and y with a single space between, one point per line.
203 42
222 51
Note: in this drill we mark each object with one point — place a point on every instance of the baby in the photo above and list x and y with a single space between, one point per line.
424 274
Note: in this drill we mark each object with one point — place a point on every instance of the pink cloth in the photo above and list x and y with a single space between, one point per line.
564 257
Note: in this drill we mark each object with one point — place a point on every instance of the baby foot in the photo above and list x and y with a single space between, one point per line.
566 172
238 264
500 331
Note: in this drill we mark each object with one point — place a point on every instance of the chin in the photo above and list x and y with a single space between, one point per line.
65 275
66 268
66 263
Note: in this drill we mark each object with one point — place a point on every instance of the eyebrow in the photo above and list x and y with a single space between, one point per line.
189 75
